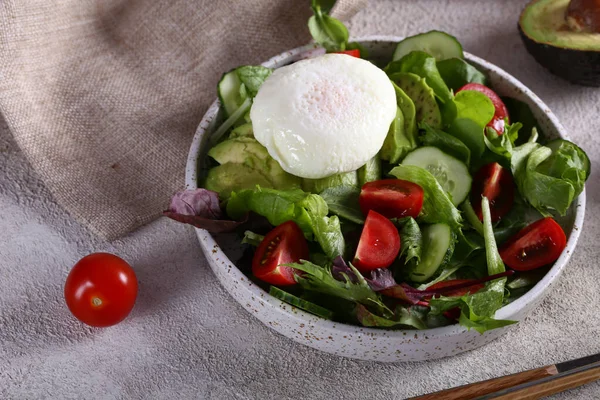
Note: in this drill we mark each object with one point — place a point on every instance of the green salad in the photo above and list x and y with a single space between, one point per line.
450 219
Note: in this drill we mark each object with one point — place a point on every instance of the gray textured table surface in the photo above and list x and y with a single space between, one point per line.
187 338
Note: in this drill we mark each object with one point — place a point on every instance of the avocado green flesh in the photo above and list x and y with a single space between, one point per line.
544 22
246 163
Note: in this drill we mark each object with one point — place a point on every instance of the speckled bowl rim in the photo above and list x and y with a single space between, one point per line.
506 312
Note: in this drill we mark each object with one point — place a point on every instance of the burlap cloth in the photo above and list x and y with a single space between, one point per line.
103 96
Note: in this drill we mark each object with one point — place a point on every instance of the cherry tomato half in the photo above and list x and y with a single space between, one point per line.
284 244
534 246
353 53
101 289
501 111
392 198
476 287
379 243
496 183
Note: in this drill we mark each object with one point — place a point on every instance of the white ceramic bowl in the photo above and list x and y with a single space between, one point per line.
368 343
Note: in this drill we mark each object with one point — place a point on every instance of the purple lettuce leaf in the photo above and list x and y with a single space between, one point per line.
200 208
380 278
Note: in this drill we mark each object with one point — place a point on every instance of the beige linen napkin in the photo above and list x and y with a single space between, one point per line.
103 96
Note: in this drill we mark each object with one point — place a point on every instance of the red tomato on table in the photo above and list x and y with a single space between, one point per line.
501 111
534 246
283 245
379 243
392 198
101 289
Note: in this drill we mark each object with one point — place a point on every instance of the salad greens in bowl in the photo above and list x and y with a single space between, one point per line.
397 200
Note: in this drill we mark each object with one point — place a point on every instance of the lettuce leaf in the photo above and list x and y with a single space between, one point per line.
410 245
437 206
474 111
550 178
457 72
445 142
343 201
308 210
320 279
401 316
478 309
201 208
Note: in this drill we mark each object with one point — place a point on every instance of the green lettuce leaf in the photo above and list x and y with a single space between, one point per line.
402 316
437 206
457 72
550 178
474 111
445 142
308 210
410 245
319 279
478 309
343 201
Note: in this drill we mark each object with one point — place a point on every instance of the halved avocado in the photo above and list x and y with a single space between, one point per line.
564 37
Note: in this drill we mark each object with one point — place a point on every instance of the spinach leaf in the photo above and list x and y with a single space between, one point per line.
474 111
343 201
457 73
445 142
325 30
411 242
437 206
308 210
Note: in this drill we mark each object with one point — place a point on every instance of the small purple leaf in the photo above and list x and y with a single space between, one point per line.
200 208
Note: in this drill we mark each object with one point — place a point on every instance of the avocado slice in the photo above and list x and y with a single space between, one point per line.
564 37
246 163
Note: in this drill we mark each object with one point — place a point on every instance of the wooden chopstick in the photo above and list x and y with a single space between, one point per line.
527 385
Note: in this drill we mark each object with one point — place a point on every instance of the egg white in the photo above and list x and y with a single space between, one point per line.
324 115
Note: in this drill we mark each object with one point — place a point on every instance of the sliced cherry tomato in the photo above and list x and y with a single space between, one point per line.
392 198
283 245
101 289
495 183
476 287
379 243
501 111
353 53
534 246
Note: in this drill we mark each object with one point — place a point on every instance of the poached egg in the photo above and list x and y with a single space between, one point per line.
325 115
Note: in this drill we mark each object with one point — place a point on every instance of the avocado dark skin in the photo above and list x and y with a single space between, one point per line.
577 66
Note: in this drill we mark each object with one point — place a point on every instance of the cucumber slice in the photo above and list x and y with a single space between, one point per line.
423 97
300 303
439 44
451 173
229 92
436 250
